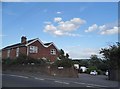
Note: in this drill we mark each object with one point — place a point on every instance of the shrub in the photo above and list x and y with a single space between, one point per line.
63 63
6 61
91 69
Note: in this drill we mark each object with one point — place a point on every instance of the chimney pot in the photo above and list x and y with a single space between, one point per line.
23 39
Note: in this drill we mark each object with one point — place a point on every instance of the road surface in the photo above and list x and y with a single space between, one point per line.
84 80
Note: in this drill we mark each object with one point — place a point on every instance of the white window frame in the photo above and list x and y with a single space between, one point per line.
53 51
8 53
17 52
33 49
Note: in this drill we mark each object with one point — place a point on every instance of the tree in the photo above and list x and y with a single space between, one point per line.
62 54
67 55
64 60
112 55
95 61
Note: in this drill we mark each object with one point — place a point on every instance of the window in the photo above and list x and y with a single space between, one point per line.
53 52
33 49
17 52
8 53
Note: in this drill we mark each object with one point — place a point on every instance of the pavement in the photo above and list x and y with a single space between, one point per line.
22 79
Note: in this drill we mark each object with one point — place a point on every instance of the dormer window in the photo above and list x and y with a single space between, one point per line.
33 49
53 52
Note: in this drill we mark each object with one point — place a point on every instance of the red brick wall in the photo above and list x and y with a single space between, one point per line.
13 52
4 54
49 56
43 51
23 50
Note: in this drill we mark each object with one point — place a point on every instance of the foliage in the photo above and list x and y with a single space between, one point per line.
64 60
67 55
63 63
6 61
23 59
112 55
91 69
94 68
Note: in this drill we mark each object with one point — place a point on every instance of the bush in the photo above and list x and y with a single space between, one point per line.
63 63
6 61
91 69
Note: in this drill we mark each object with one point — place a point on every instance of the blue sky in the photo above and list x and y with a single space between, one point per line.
79 28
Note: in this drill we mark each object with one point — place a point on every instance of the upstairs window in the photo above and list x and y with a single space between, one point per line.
8 53
33 49
53 52
17 52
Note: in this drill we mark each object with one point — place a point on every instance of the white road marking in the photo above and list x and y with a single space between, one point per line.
19 76
97 85
90 85
79 83
61 82
39 78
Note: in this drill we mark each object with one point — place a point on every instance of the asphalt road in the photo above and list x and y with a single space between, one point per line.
84 80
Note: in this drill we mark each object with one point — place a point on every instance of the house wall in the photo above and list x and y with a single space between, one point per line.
43 51
13 53
40 50
22 50
4 54
49 56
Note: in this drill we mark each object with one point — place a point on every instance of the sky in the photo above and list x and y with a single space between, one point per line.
81 29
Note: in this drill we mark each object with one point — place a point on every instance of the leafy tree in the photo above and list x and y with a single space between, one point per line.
94 61
112 55
67 55
64 60
84 62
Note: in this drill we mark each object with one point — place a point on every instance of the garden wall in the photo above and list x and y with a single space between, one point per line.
45 70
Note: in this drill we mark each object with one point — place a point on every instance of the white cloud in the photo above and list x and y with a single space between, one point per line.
57 19
59 12
114 30
92 28
64 28
103 29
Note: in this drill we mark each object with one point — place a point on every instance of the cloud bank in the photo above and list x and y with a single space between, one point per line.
103 29
64 28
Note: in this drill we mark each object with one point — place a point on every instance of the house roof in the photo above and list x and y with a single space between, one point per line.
18 44
47 44
28 43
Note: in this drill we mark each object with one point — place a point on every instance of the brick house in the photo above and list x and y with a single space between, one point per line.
34 48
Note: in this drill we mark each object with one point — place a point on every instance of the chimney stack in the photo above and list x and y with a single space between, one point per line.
23 39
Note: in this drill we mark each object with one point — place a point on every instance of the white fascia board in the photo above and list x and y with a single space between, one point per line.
37 39
41 43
